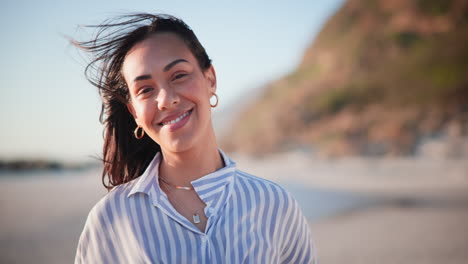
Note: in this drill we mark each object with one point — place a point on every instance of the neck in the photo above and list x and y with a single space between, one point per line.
181 168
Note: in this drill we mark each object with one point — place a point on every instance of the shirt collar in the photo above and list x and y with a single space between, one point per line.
145 182
213 188
210 187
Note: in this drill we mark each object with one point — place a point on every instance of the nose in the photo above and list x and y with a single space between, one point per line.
166 99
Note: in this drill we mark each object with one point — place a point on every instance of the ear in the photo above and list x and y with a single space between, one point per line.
210 75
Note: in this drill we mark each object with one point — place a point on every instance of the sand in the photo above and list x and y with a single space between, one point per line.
42 217
418 211
421 215
395 234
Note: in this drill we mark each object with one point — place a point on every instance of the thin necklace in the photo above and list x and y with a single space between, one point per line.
186 188
195 215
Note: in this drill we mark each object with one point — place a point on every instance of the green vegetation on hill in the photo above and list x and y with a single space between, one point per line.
381 75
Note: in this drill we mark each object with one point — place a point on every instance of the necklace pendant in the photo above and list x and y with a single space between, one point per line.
196 218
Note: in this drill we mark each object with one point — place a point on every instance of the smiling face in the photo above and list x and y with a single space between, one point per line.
169 93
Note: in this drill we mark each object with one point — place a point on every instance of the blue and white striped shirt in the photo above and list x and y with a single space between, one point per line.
250 220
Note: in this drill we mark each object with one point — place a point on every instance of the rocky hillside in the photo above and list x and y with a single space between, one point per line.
381 77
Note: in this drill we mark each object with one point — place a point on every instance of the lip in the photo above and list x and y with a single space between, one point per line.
179 124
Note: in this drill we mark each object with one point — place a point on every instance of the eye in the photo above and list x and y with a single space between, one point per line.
179 76
145 90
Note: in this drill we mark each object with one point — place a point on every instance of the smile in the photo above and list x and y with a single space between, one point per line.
176 120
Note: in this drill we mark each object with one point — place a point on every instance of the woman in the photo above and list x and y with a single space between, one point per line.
174 197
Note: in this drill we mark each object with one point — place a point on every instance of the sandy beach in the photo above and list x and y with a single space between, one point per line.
395 234
416 210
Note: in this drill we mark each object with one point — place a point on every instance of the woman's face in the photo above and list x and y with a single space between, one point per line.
169 93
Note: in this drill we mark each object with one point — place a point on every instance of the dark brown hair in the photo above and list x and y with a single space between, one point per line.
125 157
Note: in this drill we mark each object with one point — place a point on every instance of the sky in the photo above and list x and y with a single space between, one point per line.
49 110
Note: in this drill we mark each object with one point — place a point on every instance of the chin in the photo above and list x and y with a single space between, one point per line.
179 146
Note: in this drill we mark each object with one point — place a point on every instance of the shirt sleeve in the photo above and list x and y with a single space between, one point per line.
94 245
86 243
298 246
108 235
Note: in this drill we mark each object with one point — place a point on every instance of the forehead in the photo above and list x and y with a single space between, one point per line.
154 53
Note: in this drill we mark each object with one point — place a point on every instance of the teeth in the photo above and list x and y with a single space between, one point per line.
176 120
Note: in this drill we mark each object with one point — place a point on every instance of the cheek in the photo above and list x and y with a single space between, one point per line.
198 91
198 84
144 112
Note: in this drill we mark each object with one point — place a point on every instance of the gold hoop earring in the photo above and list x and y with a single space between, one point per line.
217 100
139 135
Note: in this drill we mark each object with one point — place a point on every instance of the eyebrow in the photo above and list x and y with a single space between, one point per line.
172 64
166 68
142 77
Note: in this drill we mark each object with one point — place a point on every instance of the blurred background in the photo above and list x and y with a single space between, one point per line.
358 107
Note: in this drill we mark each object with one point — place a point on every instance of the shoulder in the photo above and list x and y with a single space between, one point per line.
250 179
263 187
103 226
111 204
